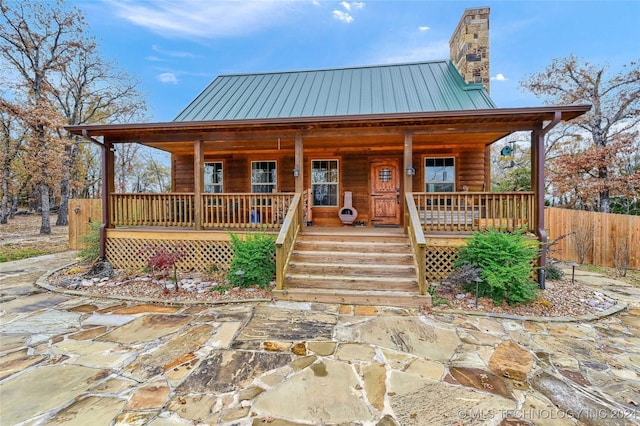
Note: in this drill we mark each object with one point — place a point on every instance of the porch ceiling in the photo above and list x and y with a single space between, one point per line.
455 127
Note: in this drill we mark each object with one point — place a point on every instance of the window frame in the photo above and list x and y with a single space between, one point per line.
252 183
336 183
426 182
221 184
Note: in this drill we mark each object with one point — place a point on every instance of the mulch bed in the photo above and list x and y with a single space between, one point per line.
191 286
561 298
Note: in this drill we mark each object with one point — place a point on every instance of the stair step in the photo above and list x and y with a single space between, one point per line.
344 284
355 297
352 269
369 266
321 256
369 237
305 280
354 232
353 246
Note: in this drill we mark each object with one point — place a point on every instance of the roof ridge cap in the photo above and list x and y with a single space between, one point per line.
335 68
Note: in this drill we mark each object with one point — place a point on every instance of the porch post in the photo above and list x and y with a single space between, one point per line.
108 186
408 162
198 182
537 183
486 187
299 166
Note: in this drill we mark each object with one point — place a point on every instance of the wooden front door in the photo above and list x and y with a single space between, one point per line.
385 192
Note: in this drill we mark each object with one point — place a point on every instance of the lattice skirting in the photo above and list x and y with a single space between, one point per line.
132 253
440 261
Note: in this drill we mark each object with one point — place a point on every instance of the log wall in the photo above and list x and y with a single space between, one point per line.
354 156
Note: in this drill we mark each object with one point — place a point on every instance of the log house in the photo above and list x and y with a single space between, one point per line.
278 152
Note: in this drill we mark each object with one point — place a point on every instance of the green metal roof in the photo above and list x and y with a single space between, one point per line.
416 87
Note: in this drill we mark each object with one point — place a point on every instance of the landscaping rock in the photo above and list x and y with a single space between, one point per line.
512 361
100 270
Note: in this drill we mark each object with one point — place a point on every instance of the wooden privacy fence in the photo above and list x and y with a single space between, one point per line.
81 213
603 239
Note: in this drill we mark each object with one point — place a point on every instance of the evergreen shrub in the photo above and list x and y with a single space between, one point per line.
253 261
505 260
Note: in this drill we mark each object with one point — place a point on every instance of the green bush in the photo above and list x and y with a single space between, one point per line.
253 261
505 260
91 242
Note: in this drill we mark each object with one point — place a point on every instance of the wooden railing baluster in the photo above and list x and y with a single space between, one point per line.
475 211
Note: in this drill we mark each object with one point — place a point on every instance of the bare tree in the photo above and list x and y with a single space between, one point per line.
621 255
58 69
614 115
91 90
37 41
153 176
582 233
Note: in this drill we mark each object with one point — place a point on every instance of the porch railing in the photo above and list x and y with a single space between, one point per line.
143 209
418 242
218 211
287 238
244 210
475 211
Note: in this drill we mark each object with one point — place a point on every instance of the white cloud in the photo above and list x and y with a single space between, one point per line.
172 53
315 3
342 16
499 77
204 19
168 77
345 16
353 4
154 59
424 28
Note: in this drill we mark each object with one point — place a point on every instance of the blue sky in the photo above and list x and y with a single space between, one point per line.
176 47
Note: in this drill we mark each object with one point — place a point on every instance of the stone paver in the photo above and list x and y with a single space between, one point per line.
75 360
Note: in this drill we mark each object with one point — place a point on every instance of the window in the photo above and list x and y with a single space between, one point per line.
213 177
439 174
324 182
264 176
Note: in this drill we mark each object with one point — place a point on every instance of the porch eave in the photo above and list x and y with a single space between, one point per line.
147 132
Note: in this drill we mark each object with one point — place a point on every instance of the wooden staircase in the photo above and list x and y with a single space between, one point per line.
362 266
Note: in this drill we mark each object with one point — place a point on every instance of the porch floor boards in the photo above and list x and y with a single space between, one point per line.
353 265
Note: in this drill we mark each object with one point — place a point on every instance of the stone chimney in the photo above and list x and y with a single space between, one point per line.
469 46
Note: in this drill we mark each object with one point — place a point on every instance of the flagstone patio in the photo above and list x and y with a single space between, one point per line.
76 360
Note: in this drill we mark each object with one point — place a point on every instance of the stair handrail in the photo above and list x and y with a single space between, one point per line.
286 238
418 242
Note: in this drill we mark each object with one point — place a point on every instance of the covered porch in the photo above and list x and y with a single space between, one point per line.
361 150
